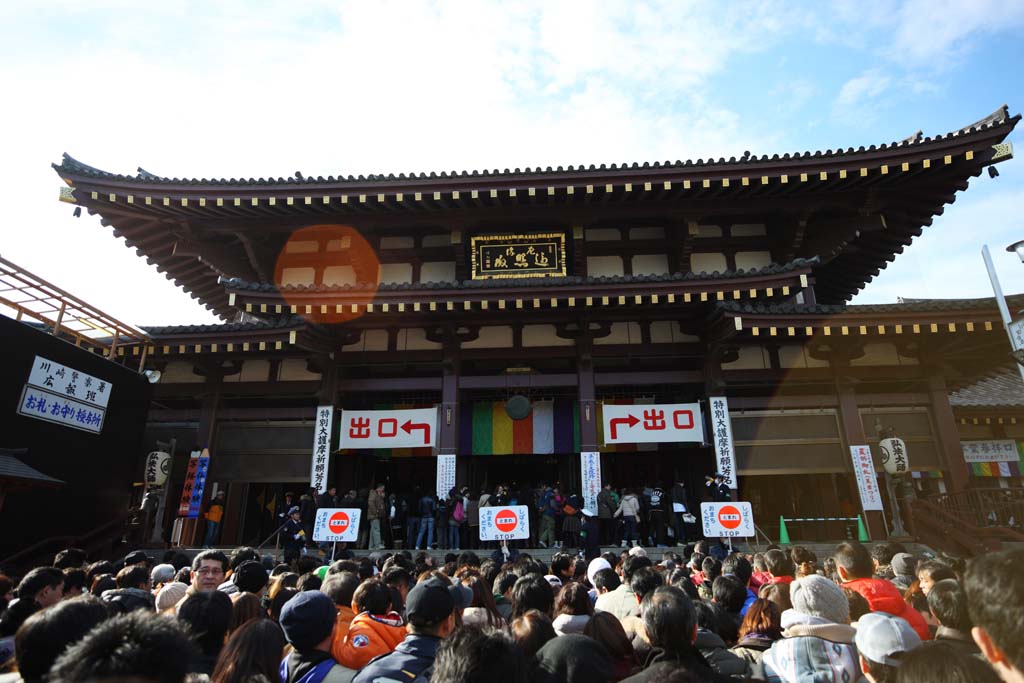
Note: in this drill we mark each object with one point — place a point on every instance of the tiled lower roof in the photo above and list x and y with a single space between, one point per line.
13 468
1005 390
254 326
904 306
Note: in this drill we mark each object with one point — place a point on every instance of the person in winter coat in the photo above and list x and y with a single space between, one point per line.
548 517
679 508
605 512
714 647
307 506
427 507
376 510
293 535
456 518
375 630
670 625
629 510
572 609
590 535
818 642
328 499
760 628
214 514
855 568
308 624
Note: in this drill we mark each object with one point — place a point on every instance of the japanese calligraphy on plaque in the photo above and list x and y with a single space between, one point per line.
496 257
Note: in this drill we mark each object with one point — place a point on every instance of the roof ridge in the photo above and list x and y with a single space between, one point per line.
997 118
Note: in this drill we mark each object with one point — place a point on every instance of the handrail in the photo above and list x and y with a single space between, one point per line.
87 539
939 528
984 508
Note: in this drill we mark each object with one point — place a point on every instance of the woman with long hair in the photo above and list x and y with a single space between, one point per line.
245 608
573 609
760 628
252 654
605 628
482 611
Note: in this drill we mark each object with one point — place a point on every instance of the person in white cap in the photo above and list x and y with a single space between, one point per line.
882 640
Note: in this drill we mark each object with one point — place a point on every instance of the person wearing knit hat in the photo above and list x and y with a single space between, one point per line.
596 565
170 595
162 573
250 577
818 641
819 597
903 569
308 621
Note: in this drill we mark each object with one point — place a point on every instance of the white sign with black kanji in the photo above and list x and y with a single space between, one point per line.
65 396
321 448
721 429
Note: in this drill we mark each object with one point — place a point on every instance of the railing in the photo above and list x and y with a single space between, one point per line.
91 542
1003 508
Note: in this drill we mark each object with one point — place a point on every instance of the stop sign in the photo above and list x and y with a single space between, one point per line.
729 517
338 523
506 521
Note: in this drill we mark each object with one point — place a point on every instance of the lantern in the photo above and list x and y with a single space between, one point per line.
894 456
158 466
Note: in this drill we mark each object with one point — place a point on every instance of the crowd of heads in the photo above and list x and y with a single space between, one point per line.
876 613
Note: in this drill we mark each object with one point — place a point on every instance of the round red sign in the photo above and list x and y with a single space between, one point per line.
729 517
338 523
506 521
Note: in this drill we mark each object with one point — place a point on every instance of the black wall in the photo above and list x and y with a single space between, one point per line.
99 468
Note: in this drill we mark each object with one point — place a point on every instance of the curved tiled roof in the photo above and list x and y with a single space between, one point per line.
253 326
773 269
1000 117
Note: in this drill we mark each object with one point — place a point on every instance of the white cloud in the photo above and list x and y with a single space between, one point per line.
859 90
938 32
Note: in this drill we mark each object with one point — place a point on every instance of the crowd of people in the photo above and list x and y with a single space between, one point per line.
874 614
648 515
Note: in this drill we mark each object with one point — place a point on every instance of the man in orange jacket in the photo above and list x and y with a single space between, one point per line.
853 562
375 630
340 588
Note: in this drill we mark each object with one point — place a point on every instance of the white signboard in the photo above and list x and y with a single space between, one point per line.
504 523
590 468
1016 330
321 448
1003 450
336 525
652 423
445 474
721 429
727 520
414 428
63 395
867 482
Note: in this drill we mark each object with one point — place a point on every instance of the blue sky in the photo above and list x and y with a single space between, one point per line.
257 89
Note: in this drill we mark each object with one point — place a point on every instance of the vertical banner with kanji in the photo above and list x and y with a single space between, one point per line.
195 484
445 474
590 469
867 481
321 448
721 429
190 484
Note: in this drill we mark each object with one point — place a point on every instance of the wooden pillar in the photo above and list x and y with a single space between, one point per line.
327 395
853 435
448 434
588 408
947 433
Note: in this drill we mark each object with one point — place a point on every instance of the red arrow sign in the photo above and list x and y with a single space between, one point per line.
409 426
631 421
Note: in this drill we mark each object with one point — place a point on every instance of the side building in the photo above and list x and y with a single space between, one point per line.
573 288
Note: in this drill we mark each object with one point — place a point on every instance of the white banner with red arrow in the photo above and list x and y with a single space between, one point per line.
651 423
414 428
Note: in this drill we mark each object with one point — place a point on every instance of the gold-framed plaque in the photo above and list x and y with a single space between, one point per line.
500 257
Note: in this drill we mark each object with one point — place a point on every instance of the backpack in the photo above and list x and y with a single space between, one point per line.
459 514
315 675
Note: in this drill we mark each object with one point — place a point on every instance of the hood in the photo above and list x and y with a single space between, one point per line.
570 623
419 646
129 599
574 658
881 595
810 660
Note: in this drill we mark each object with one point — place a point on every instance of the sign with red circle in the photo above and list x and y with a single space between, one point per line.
338 523
729 517
727 520
506 521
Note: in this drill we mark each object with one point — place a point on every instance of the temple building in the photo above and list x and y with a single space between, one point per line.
522 302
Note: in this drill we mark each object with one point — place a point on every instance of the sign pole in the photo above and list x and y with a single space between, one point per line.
1004 312
334 550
